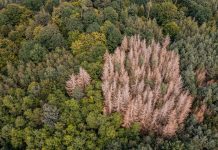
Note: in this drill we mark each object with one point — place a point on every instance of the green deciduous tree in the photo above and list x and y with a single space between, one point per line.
33 4
201 10
110 14
50 37
171 29
165 12
113 35
32 51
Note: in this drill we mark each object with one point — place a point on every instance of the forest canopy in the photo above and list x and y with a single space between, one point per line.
109 74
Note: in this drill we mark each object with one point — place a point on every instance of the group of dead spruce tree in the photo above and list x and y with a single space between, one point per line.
143 83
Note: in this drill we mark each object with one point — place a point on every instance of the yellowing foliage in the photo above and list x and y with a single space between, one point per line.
7 52
37 30
86 41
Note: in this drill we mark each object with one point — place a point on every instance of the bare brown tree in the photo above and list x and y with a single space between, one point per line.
143 82
200 76
200 112
77 81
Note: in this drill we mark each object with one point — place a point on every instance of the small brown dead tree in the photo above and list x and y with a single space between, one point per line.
77 81
200 76
200 112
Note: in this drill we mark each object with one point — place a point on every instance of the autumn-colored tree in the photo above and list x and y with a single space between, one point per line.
143 82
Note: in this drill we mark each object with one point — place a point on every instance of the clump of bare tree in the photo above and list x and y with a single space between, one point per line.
144 84
77 83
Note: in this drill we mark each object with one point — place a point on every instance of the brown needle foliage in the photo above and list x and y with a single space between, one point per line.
200 76
199 113
143 83
77 81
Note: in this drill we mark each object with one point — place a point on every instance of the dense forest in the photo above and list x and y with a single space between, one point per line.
109 74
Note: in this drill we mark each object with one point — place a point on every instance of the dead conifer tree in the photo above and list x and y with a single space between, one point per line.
143 83
77 81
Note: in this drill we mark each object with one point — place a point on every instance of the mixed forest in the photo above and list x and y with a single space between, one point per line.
109 74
